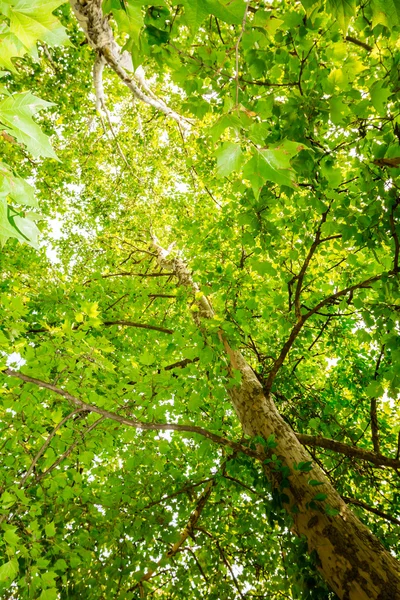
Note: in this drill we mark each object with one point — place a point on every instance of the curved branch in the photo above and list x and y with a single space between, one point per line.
99 33
303 318
130 422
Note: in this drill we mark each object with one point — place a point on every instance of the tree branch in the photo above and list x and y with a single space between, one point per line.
188 530
130 422
99 33
373 409
376 511
303 318
349 451
69 450
224 559
395 237
237 51
300 276
109 324
181 363
353 40
129 274
46 445
141 325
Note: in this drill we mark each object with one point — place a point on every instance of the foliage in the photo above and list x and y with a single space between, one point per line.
283 198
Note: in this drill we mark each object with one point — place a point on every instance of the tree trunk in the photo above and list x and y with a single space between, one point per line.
352 561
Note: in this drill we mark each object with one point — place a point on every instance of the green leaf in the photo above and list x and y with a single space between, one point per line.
7 500
314 423
320 497
16 113
50 529
231 12
9 571
130 20
49 594
12 225
16 188
11 537
60 565
10 47
314 482
272 164
379 97
195 11
310 6
386 12
304 466
229 158
374 389
331 512
271 443
342 11
33 21
146 358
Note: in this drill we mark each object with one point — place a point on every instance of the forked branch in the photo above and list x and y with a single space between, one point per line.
100 36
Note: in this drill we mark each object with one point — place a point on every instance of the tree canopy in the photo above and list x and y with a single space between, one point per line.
199 299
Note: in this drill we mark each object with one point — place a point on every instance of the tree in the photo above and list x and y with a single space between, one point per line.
200 348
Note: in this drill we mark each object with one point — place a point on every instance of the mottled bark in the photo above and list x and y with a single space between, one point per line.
100 36
353 562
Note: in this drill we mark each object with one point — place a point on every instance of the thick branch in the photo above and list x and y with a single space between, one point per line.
350 451
130 422
375 511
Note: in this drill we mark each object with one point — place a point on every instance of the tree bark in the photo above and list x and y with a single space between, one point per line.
352 561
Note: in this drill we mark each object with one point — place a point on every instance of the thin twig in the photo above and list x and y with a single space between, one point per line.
140 325
46 445
69 450
373 408
237 51
188 529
